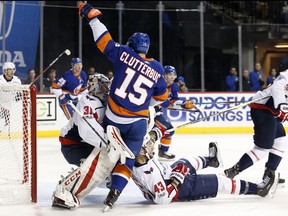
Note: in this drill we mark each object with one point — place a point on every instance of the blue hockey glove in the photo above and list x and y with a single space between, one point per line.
87 11
64 98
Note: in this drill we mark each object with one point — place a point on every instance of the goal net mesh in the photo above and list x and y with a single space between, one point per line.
16 165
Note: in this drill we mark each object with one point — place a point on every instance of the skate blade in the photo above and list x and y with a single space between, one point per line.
62 205
106 208
274 186
219 156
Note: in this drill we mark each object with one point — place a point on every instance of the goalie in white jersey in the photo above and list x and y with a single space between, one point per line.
180 182
79 142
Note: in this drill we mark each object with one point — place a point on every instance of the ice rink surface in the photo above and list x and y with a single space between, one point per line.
51 165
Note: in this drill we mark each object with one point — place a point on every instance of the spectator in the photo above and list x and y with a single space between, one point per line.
182 85
246 81
232 80
110 74
31 77
49 80
272 76
91 71
256 77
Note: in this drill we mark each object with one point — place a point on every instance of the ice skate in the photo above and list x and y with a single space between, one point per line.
62 198
269 181
232 172
215 158
165 155
110 199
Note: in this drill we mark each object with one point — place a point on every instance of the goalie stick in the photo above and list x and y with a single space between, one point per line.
119 143
218 113
67 52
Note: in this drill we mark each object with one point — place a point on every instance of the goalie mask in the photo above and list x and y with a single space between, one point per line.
99 85
8 65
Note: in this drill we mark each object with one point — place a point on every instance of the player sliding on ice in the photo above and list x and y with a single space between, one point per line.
180 181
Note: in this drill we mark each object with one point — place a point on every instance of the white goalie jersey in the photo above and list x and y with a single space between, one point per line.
92 109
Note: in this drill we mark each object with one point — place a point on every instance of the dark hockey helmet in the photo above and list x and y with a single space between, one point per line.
139 42
75 61
170 69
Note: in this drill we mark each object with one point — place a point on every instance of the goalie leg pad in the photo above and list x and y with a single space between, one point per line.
91 173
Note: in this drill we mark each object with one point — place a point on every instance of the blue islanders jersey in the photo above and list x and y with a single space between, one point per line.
173 91
70 84
136 80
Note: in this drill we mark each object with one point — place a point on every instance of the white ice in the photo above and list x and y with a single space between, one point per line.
51 165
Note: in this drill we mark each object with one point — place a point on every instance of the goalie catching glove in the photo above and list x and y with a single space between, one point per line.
179 172
283 112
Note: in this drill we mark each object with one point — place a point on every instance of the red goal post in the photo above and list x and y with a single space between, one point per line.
18 179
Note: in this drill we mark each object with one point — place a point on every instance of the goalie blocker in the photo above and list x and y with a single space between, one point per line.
92 172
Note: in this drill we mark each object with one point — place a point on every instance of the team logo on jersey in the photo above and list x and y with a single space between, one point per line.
77 89
149 171
286 87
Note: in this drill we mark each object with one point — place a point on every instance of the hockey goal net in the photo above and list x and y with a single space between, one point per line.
18 144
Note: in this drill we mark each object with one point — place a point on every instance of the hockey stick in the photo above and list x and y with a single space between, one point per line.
221 102
70 102
218 113
67 52
184 110
107 143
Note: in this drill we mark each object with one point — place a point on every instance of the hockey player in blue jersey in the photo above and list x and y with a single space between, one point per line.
72 84
138 82
173 101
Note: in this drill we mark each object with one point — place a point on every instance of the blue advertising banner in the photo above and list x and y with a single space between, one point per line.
19 30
